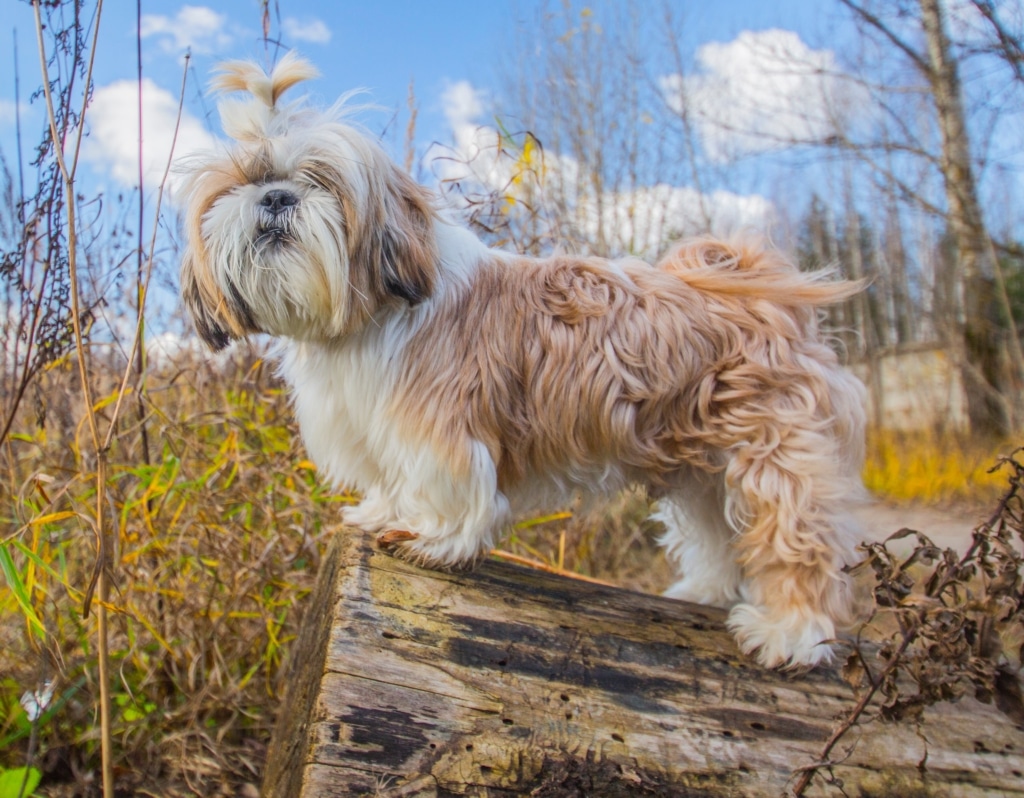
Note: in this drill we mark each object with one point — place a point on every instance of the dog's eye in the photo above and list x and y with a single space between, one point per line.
312 179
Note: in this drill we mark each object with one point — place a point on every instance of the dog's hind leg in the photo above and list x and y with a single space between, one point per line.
698 541
790 490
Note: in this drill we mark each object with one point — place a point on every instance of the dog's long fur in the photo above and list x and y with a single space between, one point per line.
451 383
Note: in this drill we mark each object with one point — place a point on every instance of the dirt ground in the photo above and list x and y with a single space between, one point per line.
947 528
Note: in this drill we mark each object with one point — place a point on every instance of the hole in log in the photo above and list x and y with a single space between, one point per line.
502 662
1017 773
469 747
389 635
507 721
979 747
564 697
486 770
758 726
617 737
728 733
568 716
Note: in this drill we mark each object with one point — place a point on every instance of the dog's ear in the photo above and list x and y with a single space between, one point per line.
210 330
401 244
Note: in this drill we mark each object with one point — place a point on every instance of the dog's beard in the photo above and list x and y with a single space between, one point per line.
273 229
283 273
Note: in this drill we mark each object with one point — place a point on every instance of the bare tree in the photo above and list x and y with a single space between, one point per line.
627 117
983 337
1005 42
619 175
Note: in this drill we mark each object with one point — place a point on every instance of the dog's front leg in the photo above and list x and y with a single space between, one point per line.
441 512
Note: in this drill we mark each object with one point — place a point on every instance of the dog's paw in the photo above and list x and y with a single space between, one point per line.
435 554
791 639
367 516
388 540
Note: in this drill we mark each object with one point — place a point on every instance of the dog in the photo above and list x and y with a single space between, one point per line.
453 384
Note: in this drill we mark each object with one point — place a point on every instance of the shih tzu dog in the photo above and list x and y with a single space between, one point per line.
452 384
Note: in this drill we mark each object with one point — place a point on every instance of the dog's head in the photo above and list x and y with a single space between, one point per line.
304 228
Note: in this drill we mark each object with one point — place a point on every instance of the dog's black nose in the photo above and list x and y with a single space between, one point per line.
278 200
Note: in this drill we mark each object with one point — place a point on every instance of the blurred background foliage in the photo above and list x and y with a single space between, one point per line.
201 498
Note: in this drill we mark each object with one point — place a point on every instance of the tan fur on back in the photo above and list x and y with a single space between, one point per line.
623 363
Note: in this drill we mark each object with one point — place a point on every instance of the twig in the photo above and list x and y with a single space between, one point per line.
104 544
911 632
807 773
538 565
140 352
144 287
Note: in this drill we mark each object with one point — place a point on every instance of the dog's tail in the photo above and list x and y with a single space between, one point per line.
248 120
748 269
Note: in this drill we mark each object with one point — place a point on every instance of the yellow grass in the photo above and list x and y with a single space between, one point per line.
219 538
218 535
927 468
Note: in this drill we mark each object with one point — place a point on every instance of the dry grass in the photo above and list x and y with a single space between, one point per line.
219 540
219 537
927 468
612 541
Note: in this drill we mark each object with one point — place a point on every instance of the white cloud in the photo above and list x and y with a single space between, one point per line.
463 105
762 91
8 115
169 348
112 146
473 154
313 30
198 28
644 220
641 221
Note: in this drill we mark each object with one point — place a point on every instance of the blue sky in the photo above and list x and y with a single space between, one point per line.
456 51
379 46
759 71
376 45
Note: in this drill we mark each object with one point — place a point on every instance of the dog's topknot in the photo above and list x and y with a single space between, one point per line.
248 120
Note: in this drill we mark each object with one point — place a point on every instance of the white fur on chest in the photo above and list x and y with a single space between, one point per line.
342 390
340 396
344 404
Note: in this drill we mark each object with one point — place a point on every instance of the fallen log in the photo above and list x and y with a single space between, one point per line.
509 681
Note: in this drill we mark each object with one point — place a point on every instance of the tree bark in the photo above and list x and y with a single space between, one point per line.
865 317
509 681
991 390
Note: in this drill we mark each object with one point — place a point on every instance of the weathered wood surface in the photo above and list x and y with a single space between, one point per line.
509 681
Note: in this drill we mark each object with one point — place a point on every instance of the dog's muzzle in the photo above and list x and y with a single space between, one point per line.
274 213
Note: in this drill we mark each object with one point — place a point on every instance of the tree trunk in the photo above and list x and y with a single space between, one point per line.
986 342
866 321
509 681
